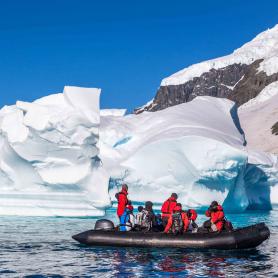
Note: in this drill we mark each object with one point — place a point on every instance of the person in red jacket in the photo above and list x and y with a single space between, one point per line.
192 216
168 207
122 200
217 217
178 221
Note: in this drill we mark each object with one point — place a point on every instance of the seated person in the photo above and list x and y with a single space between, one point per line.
217 218
158 219
178 221
158 227
192 216
139 216
168 207
148 217
127 219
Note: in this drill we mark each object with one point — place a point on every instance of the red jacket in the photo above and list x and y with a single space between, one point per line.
122 202
185 221
217 217
168 207
193 213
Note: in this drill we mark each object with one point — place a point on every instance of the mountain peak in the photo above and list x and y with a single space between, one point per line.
263 46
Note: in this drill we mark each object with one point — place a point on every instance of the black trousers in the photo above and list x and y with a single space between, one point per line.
207 224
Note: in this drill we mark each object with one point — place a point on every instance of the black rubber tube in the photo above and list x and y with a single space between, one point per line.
247 237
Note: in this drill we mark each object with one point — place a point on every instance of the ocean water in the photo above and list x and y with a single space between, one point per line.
42 247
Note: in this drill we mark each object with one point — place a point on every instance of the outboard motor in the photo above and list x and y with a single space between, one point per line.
104 224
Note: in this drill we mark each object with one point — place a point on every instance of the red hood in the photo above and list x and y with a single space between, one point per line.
219 207
193 214
124 191
177 208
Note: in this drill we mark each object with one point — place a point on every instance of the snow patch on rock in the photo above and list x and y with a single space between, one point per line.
267 93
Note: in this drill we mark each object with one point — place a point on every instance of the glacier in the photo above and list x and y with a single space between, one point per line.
62 155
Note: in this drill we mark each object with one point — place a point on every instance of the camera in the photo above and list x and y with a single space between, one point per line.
213 208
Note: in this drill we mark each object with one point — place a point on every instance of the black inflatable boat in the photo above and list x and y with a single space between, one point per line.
248 237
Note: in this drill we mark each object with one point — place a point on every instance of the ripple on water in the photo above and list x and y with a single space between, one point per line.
43 248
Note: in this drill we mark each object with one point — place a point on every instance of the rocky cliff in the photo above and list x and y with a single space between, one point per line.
240 76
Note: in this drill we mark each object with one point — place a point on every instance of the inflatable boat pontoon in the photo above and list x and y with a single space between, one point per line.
248 237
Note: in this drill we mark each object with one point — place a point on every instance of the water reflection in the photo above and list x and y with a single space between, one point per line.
139 262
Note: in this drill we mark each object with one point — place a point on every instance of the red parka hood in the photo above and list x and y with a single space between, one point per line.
220 208
177 208
193 214
124 191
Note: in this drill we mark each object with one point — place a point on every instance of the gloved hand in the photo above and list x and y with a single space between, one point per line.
194 225
213 209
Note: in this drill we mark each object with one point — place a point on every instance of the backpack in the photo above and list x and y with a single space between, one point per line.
177 223
139 217
146 220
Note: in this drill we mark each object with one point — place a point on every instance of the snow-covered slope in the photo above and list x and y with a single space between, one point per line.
49 161
112 112
194 149
264 46
257 118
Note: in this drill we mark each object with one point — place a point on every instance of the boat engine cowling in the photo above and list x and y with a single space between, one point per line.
104 224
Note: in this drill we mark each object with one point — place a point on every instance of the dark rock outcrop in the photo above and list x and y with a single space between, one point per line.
251 84
275 129
237 82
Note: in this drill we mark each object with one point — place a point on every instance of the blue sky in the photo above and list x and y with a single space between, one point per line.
123 47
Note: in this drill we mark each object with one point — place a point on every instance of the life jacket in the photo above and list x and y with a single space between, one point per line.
168 207
177 223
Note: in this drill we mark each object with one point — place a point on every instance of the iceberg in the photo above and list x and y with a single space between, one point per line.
49 162
62 156
196 149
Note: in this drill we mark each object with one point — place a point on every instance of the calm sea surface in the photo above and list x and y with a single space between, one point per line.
42 247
